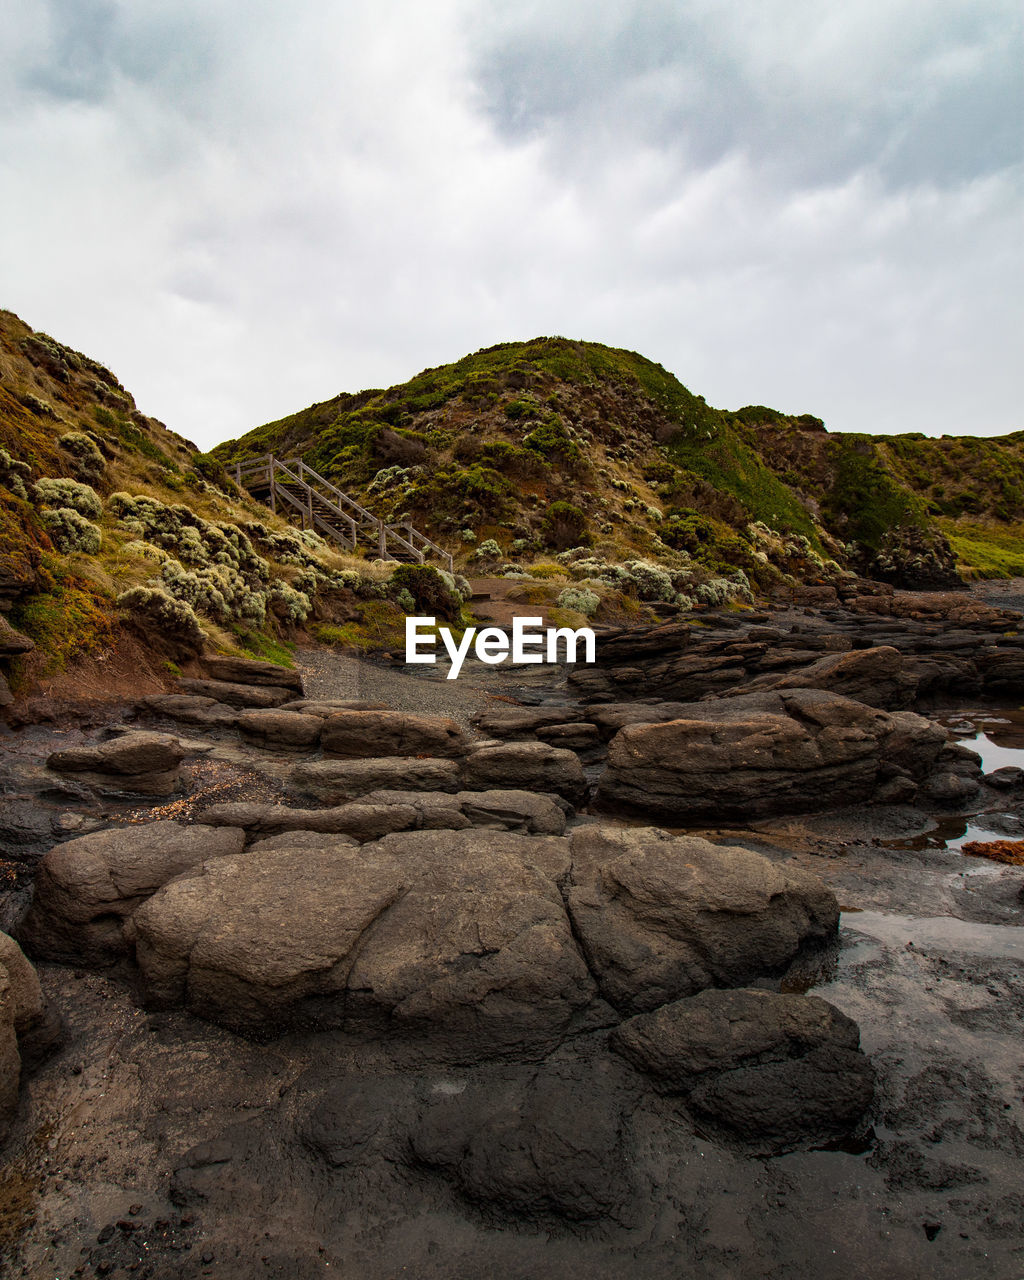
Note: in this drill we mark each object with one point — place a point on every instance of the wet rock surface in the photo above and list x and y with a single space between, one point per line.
422 1024
775 1071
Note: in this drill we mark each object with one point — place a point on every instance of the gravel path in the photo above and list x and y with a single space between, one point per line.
329 675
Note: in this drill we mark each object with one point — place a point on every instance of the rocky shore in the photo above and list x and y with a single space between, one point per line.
636 968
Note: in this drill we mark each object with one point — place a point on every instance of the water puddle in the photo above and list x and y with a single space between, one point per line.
953 833
939 933
997 736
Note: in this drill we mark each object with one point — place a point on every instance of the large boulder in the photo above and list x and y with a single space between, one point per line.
526 766
87 888
134 764
662 917
477 953
231 945
356 735
521 811
253 671
336 781
27 1028
364 821
241 696
878 677
470 948
774 1071
280 730
523 722
190 709
764 753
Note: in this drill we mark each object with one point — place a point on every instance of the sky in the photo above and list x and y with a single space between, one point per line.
243 207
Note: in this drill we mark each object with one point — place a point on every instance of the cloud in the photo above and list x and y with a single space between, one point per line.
243 208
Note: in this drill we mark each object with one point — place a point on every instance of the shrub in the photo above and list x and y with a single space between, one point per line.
71 532
431 594
287 603
552 440
580 599
546 571
650 581
487 550
13 475
155 611
565 526
88 460
56 492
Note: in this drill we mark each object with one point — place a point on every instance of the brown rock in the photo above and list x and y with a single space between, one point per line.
137 763
87 888
251 671
763 753
239 695
526 766
662 917
336 781
364 734
280 730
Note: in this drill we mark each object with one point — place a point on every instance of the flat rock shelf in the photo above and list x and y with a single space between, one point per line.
668 966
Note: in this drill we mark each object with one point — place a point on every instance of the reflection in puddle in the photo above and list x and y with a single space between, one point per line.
998 737
944 933
954 833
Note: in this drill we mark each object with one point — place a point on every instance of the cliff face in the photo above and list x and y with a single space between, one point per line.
481 449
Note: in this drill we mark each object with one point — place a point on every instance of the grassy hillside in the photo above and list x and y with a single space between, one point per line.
479 451
114 530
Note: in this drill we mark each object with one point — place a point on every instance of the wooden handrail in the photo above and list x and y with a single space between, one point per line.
298 473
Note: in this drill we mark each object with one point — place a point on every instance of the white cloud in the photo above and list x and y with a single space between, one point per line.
243 209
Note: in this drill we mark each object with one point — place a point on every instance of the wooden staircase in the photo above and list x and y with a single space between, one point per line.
298 493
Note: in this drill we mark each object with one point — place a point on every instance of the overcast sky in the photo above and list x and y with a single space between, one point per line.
244 206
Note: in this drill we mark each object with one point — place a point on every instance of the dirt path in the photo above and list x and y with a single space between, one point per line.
491 602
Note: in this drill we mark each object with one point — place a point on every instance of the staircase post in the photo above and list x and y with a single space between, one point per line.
382 540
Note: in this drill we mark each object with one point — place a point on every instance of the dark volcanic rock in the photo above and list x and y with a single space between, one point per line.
280 730
241 696
363 734
764 753
252 671
660 917
137 763
27 1029
534 1145
470 948
774 1071
526 766
335 781
87 888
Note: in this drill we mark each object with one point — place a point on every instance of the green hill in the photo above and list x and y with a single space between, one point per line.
482 449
